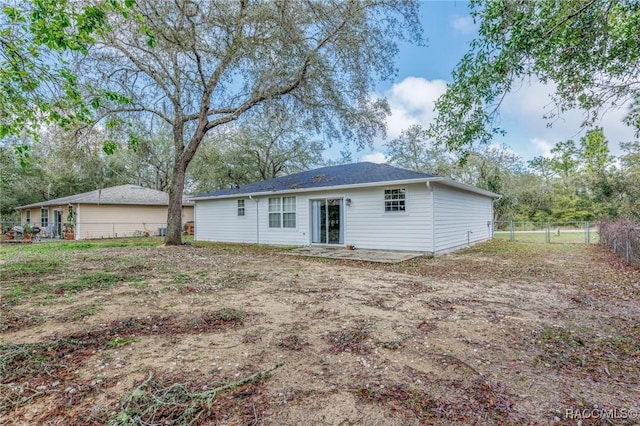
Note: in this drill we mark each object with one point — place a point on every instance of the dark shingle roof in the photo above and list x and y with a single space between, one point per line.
123 194
346 174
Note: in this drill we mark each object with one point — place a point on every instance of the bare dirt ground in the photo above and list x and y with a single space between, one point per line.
503 333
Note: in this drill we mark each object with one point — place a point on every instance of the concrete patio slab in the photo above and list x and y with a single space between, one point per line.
380 256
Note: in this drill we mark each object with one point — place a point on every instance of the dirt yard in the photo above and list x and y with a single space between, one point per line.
500 334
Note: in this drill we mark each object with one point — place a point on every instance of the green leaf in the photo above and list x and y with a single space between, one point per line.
109 147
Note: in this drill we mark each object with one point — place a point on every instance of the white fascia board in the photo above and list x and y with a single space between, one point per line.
469 188
319 189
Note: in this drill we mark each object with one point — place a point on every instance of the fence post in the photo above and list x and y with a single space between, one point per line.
586 232
627 248
547 233
512 237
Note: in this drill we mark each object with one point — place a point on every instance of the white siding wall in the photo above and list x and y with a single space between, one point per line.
366 224
456 213
369 226
219 221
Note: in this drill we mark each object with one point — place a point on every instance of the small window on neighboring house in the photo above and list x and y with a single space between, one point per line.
394 200
282 212
44 218
28 216
240 207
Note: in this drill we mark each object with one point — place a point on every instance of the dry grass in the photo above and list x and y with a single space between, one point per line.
128 333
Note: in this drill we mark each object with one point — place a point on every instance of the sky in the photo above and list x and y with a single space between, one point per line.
424 71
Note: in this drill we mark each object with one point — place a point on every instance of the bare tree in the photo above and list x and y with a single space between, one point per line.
198 66
268 143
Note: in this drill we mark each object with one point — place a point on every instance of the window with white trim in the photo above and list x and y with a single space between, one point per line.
282 212
240 207
288 212
44 217
395 200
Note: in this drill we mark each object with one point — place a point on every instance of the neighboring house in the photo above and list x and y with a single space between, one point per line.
119 211
373 206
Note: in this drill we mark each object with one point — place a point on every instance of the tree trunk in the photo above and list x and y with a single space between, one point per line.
174 215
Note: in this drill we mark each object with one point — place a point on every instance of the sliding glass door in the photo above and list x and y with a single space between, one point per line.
326 221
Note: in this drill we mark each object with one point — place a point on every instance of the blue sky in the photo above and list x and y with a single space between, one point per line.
423 72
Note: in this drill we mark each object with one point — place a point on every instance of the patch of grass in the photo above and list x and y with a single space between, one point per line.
516 248
181 278
560 346
237 248
539 237
139 285
58 246
100 280
235 279
225 315
29 268
84 311
576 350
120 341
19 292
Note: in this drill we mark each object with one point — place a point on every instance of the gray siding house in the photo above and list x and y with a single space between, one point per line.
372 206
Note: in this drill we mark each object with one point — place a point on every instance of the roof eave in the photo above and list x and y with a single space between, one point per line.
317 189
186 203
469 188
439 179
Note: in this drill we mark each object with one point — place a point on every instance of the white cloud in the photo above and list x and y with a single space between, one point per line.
463 24
374 157
543 146
412 101
522 114
529 134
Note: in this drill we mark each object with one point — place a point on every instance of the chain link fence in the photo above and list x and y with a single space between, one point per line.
547 232
623 237
15 231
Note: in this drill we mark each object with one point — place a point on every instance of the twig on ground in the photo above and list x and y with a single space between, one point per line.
183 407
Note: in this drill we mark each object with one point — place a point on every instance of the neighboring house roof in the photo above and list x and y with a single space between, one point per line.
123 194
346 175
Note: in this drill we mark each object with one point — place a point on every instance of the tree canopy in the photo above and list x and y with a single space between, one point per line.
588 49
197 66
37 82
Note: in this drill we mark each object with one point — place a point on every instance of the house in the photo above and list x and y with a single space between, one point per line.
373 206
119 211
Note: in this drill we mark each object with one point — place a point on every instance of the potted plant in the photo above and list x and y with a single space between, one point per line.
27 232
70 225
69 231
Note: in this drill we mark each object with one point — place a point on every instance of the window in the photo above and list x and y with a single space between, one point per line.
44 218
28 216
274 213
394 200
240 207
289 212
282 212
